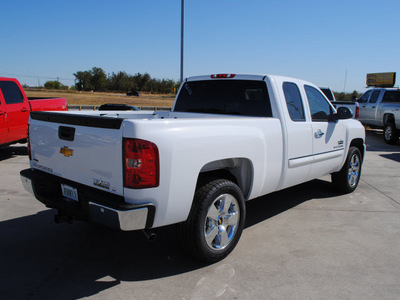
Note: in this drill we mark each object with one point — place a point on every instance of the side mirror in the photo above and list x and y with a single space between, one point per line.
343 113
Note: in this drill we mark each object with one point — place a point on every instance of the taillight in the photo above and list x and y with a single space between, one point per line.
223 75
141 164
29 143
357 112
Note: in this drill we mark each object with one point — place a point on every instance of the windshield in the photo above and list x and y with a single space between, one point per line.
233 97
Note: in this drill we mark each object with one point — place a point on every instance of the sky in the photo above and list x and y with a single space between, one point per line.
330 43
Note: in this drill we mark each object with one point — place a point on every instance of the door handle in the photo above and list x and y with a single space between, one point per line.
319 134
24 110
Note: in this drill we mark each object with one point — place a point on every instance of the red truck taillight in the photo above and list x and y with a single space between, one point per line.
141 164
357 114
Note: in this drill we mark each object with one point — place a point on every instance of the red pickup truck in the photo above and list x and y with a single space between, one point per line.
15 108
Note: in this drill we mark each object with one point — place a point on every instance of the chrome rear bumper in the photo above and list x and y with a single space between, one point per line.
93 205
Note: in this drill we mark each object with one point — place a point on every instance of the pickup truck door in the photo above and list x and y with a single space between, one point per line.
363 105
370 108
328 136
299 136
16 110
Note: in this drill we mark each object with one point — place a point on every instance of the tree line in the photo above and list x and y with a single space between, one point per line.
97 80
347 96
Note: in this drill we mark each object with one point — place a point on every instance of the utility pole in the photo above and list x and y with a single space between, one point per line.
182 34
345 79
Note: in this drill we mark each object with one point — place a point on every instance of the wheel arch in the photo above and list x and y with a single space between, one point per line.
359 143
238 170
387 117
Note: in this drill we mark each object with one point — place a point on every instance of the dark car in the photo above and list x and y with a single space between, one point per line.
113 106
133 93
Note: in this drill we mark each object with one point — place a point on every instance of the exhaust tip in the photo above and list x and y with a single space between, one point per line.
151 236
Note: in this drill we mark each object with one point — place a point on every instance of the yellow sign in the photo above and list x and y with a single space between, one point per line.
67 152
381 79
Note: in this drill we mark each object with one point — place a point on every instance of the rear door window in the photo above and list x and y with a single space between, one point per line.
293 101
11 92
391 96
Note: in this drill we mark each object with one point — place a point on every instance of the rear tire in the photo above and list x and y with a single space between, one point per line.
216 221
390 133
346 180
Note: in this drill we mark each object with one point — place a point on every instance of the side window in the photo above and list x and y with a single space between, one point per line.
319 107
391 96
374 96
364 98
11 92
293 101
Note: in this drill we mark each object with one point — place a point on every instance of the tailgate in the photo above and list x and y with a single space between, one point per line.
81 148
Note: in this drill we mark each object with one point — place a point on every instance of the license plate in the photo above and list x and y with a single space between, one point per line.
69 192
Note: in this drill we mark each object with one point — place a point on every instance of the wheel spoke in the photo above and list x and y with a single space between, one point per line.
211 234
352 179
223 238
227 203
233 219
213 213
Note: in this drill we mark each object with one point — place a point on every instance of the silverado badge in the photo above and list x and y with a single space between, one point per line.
67 152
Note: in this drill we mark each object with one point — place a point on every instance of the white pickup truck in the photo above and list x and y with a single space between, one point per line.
229 138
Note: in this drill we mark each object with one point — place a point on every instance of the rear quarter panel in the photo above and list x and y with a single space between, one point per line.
186 146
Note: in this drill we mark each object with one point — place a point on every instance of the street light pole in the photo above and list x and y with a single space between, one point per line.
182 34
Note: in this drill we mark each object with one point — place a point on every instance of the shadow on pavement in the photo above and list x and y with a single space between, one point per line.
12 151
43 260
374 142
263 208
394 156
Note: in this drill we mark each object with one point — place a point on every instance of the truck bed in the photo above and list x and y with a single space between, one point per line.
61 143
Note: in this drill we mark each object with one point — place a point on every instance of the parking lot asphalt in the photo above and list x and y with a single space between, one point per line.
306 242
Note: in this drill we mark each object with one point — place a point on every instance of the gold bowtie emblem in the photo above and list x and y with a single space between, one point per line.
67 152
